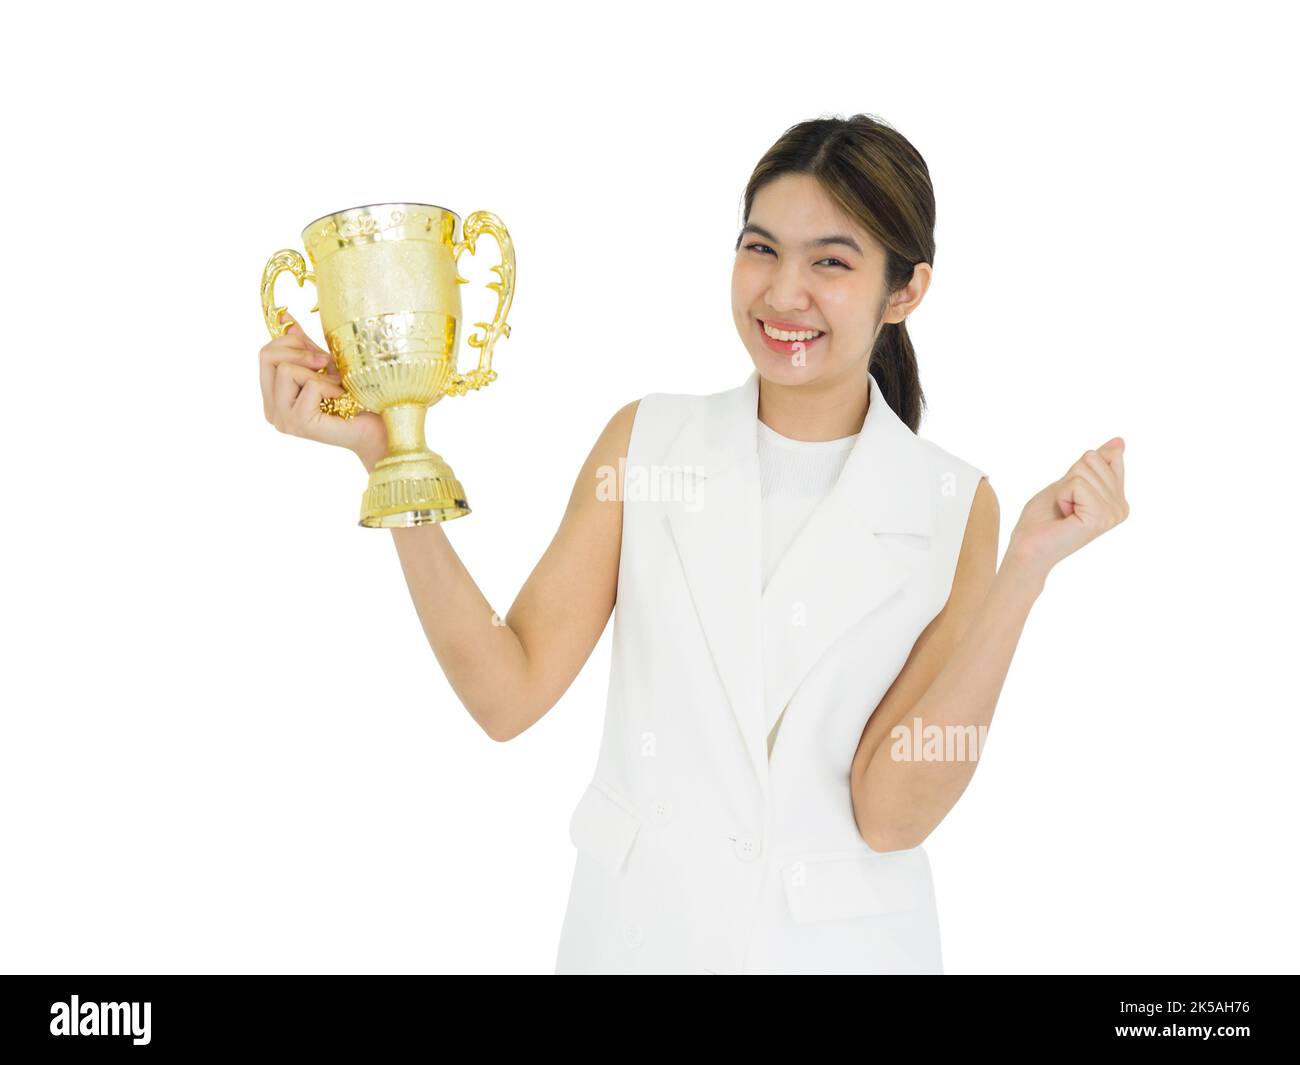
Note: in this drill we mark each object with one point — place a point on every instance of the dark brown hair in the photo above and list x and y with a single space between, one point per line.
877 177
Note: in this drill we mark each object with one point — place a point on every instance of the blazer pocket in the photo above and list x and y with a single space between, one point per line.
850 884
603 826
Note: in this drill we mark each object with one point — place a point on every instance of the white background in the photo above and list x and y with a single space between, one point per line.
226 746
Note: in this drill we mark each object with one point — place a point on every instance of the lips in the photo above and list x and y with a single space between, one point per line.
791 327
786 347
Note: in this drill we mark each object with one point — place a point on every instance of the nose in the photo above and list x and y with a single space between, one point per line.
787 292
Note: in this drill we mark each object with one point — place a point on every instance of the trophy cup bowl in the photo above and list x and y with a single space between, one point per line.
388 294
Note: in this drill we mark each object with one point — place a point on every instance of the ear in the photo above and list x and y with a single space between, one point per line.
909 297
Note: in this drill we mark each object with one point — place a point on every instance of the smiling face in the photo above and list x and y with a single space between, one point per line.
804 266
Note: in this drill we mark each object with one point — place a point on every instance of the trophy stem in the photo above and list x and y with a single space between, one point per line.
411 485
405 424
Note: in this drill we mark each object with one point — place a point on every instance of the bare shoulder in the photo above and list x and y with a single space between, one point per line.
977 556
977 562
985 517
618 431
598 479
615 439
646 426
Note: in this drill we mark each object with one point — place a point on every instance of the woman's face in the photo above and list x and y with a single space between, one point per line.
784 278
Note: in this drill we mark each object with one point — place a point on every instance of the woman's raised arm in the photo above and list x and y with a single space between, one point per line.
508 673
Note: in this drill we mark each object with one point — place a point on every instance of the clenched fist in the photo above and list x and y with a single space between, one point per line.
1086 502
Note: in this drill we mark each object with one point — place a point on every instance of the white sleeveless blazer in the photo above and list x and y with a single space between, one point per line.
696 853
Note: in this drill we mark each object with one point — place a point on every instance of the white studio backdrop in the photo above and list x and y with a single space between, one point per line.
226 745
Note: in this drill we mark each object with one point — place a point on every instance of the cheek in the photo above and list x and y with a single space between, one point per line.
837 308
843 308
745 284
742 274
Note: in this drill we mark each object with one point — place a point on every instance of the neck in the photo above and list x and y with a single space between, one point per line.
819 410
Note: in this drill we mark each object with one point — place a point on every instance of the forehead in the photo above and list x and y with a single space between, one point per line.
796 209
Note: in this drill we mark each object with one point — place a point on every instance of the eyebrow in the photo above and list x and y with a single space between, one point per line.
820 242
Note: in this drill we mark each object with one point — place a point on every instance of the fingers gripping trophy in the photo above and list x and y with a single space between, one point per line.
388 294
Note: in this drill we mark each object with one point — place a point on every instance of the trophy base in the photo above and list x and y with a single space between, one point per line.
413 488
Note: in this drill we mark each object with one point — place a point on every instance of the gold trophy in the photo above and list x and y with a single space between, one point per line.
388 293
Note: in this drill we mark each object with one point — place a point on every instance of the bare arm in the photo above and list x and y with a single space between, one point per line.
952 677
509 673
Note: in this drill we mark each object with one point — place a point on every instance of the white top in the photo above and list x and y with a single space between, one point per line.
795 476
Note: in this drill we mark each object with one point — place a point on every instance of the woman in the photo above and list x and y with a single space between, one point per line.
805 589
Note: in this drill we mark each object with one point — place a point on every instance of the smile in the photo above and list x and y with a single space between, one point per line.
799 341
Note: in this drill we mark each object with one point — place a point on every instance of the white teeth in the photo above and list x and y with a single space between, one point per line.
781 334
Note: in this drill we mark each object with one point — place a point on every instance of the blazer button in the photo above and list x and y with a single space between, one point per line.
661 811
747 848
633 935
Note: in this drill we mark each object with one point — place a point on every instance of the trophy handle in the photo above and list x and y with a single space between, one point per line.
475 224
287 259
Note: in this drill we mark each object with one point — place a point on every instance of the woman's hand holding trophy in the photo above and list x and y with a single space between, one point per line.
296 375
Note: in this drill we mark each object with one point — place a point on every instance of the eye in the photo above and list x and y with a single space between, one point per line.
759 248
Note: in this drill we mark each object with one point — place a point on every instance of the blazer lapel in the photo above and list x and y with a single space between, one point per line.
717 538
765 641
838 569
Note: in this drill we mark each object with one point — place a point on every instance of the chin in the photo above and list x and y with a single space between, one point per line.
782 370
